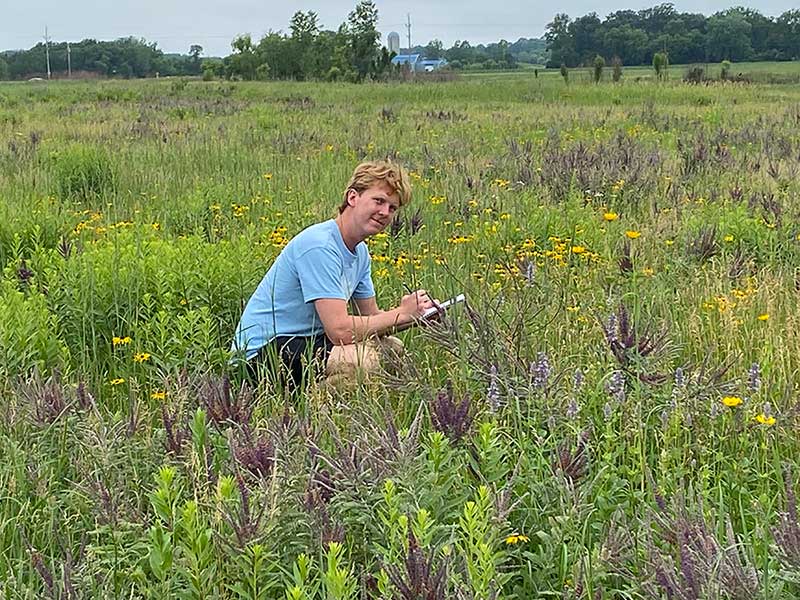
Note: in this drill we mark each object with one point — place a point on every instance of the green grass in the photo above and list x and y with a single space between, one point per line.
630 255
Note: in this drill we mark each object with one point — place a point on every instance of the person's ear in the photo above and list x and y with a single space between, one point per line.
351 196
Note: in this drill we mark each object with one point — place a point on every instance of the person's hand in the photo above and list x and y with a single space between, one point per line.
415 304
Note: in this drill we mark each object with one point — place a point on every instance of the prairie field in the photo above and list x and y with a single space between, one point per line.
613 414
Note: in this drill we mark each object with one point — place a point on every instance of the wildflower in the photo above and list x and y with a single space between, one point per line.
578 249
158 395
769 421
119 341
267 176
616 386
577 380
117 381
608 411
669 242
516 538
493 393
763 317
141 357
731 401
572 409
647 272
632 235
754 375
728 238
540 370
610 216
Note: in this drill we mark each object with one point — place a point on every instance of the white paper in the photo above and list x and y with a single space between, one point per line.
443 306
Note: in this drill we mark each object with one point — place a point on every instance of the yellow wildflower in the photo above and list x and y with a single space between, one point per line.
728 238
769 421
763 317
516 538
158 395
117 381
731 401
632 234
578 249
141 357
119 341
610 216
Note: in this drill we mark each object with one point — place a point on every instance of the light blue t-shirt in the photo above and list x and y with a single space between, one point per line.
314 264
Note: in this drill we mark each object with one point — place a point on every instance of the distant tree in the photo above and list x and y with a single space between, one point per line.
788 34
660 64
560 42
434 50
597 68
4 70
195 50
586 31
626 42
305 29
363 33
243 62
728 37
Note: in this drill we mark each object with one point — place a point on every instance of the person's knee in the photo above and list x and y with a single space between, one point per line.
353 359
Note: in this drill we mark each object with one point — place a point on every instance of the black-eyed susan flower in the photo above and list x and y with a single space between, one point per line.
158 395
120 341
632 235
117 381
763 317
610 216
141 357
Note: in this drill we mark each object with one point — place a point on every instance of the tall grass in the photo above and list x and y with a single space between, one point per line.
612 415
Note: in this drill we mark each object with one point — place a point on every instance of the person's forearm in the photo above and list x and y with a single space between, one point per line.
360 328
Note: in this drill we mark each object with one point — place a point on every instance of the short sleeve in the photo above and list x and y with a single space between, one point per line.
364 287
320 273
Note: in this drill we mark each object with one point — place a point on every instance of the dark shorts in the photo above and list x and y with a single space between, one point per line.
290 358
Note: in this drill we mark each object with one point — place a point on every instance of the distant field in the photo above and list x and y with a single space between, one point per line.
615 416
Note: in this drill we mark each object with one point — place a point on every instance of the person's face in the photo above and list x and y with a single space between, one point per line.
374 208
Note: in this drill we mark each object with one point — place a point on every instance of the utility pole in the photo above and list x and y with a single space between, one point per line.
69 62
47 50
408 29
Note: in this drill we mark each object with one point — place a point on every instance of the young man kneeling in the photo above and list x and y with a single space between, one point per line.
300 308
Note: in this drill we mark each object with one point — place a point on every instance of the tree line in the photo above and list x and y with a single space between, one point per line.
634 37
498 55
352 52
125 57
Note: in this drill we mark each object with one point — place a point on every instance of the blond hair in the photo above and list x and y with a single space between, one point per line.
371 173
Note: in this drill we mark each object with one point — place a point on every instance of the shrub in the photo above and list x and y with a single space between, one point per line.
725 69
660 64
616 64
598 66
27 338
695 74
82 172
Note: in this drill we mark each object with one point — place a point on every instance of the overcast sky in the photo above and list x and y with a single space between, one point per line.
176 24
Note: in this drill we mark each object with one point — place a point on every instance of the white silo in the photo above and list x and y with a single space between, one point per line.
394 42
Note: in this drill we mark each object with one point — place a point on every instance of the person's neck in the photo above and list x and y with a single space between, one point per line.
351 240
